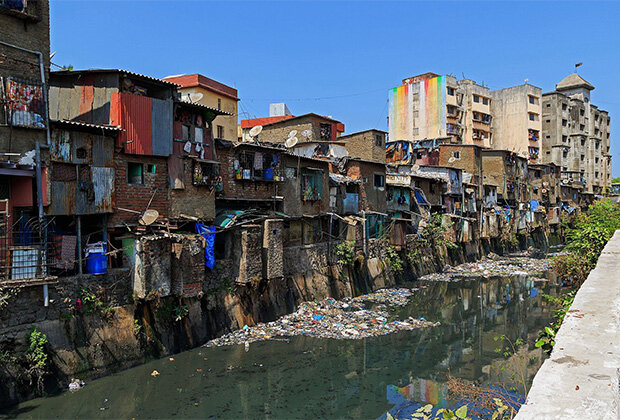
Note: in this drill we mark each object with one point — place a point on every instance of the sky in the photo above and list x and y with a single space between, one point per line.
340 58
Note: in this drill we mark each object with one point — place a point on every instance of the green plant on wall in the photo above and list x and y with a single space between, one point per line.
393 260
345 252
36 357
170 311
93 304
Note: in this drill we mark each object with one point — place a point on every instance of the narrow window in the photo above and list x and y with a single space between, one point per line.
135 174
219 103
379 180
220 132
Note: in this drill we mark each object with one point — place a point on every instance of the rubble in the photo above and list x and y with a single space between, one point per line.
491 266
351 318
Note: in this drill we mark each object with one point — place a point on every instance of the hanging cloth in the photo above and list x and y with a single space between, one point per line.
208 232
258 160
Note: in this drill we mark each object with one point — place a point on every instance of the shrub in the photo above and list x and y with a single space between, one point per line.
345 252
393 260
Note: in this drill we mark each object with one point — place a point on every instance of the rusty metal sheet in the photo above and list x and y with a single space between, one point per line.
103 184
134 114
162 127
63 198
103 151
61 147
82 145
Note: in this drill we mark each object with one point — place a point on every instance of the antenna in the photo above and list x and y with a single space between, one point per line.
195 97
53 54
291 141
255 131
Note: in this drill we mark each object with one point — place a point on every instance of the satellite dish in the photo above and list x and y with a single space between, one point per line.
544 191
545 184
148 217
290 142
452 159
292 133
416 168
195 97
255 131
307 133
53 54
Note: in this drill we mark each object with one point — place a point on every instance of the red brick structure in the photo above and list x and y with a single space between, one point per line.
134 195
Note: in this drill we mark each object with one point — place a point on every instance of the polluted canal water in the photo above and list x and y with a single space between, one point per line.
309 377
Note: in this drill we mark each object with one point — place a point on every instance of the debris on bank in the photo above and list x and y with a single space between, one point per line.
491 266
348 319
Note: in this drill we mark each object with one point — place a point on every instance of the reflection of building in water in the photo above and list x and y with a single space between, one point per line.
423 390
418 393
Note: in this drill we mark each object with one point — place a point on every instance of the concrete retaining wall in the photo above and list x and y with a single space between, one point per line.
580 379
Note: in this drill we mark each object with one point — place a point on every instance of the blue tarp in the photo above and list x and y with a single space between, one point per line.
419 197
208 232
534 205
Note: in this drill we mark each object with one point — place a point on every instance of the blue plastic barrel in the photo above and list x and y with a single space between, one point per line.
96 261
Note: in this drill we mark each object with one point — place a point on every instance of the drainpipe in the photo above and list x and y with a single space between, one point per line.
364 232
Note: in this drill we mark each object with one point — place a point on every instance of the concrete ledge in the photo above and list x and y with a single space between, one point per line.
580 379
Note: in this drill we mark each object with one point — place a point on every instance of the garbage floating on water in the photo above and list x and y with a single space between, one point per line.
76 384
154 373
491 266
349 318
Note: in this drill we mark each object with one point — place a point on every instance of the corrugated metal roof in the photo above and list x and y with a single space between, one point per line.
121 71
70 123
204 107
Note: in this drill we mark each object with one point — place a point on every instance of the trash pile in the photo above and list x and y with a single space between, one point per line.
394 297
348 319
491 266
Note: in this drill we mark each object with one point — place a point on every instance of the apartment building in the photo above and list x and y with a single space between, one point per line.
212 94
517 123
576 135
431 106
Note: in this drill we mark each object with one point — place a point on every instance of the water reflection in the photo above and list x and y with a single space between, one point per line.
309 378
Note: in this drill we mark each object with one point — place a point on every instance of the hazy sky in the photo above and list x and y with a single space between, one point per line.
340 58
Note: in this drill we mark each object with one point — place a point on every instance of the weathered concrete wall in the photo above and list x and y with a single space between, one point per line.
580 379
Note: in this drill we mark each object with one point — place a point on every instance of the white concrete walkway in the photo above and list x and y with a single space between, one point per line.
580 379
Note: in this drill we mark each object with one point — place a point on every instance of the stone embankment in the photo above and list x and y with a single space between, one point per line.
581 378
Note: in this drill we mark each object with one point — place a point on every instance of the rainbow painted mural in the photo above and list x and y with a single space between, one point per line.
428 98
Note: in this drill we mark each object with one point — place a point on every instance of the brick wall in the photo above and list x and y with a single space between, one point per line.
234 188
197 201
363 145
137 196
371 198
278 133
291 189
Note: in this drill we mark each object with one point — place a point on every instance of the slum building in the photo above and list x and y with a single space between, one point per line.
366 145
25 248
82 186
193 168
143 107
307 127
